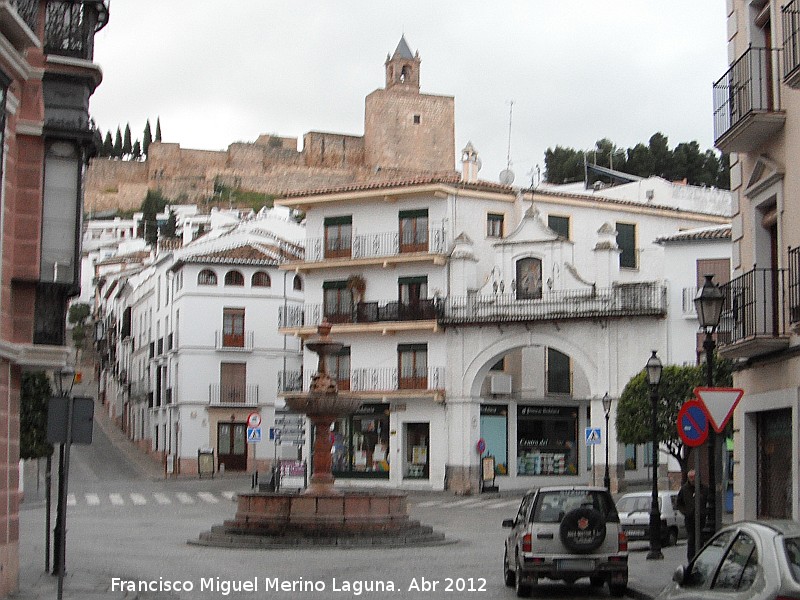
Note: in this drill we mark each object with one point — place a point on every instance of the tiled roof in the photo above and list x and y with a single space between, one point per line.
138 256
722 232
409 182
245 254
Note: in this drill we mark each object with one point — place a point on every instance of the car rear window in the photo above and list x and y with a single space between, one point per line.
792 546
551 506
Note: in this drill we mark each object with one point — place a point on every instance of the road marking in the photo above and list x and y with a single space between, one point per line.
463 503
161 498
207 497
229 495
116 499
430 503
92 499
185 498
138 499
71 500
503 504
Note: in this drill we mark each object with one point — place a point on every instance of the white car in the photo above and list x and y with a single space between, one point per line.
634 514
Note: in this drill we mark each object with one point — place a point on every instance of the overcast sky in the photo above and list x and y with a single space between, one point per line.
577 70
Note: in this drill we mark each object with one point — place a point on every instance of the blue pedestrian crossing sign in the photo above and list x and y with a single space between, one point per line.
593 436
253 435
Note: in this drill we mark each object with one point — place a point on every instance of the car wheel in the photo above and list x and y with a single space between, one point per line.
596 581
523 590
672 537
508 575
582 530
617 589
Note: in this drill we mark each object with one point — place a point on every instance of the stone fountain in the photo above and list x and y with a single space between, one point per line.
322 514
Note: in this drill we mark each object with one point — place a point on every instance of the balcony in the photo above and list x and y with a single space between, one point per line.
753 318
386 311
747 106
688 309
376 382
623 300
235 342
376 247
232 395
70 27
794 287
18 22
791 44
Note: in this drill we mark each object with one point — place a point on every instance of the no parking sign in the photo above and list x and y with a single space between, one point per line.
693 423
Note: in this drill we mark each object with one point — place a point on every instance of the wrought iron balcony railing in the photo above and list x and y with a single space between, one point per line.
372 380
687 302
242 342
28 10
375 245
222 394
623 300
791 43
363 312
754 308
747 88
70 26
794 285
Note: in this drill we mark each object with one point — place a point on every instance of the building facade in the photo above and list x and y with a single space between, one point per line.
756 118
46 78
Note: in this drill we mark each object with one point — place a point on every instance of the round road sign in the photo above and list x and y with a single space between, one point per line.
692 423
481 446
254 419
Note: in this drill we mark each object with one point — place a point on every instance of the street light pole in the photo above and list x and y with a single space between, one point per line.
708 304
654 368
607 410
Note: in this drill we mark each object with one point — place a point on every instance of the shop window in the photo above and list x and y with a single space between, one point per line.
560 225
234 278
260 279
529 278
361 443
413 230
412 366
338 236
558 372
626 240
206 277
630 457
494 225
547 440
494 431
337 302
417 460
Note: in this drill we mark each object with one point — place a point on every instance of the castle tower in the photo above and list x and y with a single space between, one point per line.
402 68
405 130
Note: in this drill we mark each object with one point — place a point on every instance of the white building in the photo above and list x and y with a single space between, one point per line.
474 311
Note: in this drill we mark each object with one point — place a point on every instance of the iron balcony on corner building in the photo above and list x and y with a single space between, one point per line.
747 101
375 382
791 44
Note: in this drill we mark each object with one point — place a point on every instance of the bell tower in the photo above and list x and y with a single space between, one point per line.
402 68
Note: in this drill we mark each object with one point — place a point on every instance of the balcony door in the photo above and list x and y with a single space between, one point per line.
232 383
412 362
233 328
232 446
412 294
414 230
337 302
338 237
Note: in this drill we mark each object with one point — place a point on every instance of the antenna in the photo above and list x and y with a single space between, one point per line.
507 175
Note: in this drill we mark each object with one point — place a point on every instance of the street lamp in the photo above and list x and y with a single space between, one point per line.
654 368
708 304
607 410
64 380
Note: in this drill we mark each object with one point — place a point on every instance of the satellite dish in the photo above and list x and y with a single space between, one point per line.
506 176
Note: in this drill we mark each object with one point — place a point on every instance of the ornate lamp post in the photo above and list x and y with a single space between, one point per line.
708 304
607 410
654 368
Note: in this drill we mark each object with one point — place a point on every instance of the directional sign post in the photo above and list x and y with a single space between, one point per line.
692 423
719 404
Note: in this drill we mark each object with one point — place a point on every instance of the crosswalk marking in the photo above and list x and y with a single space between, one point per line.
503 504
463 502
116 499
430 503
207 497
161 498
229 495
138 499
92 499
185 498
71 500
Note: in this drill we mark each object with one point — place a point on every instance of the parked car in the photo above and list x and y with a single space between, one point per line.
634 514
566 533
757 560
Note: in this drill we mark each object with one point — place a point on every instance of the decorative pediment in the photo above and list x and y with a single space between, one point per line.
765 174
463 248
531 230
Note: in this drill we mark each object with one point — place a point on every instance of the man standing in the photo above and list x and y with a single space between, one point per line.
686 504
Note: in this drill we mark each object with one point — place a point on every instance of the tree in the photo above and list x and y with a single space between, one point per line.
118 144
152 204
168 231
563 165
77 316
136 151
676 387
127 146
108 145
34 397
158 129
147 138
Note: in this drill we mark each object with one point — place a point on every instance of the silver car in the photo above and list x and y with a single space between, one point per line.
566 533
634 514
756 560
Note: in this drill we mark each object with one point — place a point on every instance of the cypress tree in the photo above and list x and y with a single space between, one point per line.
147 139
136 152
118 144
158 129
108 145
126 144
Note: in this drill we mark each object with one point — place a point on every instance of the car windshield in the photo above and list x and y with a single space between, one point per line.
551 506
631 504
793 556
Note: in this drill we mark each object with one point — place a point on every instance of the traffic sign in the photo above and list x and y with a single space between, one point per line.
253 420
593 436
719 404
481 446
692 423
253 435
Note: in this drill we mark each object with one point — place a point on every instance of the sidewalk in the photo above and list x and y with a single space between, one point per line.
646 578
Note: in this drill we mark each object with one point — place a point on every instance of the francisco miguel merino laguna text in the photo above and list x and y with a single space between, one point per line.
270 584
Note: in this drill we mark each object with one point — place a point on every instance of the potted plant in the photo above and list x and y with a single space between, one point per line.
357 286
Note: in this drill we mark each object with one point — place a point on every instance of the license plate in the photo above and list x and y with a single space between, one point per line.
574 564
635 532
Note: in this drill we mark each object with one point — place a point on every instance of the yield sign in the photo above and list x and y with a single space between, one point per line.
719 403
